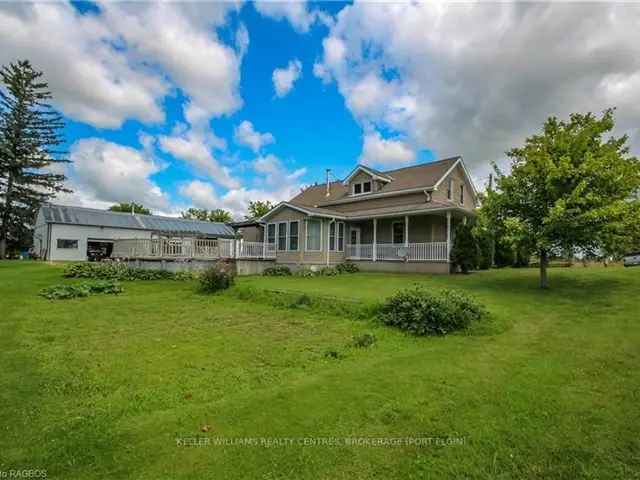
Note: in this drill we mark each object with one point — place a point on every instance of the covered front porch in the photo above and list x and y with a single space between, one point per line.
407 238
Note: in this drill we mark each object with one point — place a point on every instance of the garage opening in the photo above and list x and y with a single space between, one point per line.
98 250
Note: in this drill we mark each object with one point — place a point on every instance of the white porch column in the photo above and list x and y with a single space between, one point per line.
375 234
406 230
448 235
264 241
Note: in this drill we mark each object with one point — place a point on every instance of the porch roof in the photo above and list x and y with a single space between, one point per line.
399 210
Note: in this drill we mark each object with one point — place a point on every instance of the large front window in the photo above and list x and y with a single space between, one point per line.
293 236
314 235
336 236
282 236
271 234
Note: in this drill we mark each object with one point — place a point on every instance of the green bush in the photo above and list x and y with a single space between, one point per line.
120 271
304 272
328 272
363 341
465 251
485 242
63 292
423 312
277 271
347 267
216 278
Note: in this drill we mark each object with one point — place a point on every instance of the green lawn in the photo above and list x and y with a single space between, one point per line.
102 387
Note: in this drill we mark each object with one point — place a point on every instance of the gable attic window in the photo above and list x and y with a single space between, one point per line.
362 187
462 194
450 189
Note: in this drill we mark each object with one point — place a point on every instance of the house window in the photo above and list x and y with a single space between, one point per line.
271 233
336 241
293 236
462 194
68 244
314 235
397 232
340 237
360 188
282 236
450 189
332 236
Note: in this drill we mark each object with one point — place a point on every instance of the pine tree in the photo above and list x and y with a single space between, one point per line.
30 149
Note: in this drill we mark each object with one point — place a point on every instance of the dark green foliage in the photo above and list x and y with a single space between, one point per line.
120 271
504 255
31 140
132 207
332 353
363 341
277 271
485 241
216 278
63 291
329 272
258 209
216 215
301 301
347 267
304 272
423 312
465 251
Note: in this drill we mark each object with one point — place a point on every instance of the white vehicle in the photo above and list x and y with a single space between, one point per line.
632 259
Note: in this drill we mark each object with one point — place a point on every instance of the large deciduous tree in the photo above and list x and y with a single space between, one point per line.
258 209
570 188
30 149
132 207
216 215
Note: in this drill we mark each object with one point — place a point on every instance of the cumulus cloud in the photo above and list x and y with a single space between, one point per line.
295 12
195 147
104 68
246 135
378 151
273 182
476 79
284 78
104 173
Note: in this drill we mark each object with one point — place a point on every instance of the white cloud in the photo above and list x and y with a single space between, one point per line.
104 173
294 11
104 68
245 134
195 147
476 79
378 151
284 78
272 182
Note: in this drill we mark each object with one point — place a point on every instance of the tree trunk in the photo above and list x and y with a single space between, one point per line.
544 262
4 226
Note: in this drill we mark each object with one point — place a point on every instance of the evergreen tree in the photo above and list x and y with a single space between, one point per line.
30 149
465 251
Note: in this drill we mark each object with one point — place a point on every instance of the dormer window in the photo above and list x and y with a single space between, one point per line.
360 188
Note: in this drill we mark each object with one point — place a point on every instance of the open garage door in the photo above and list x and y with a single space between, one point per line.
98 249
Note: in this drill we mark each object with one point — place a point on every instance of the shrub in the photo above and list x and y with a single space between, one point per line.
328 272
63 292
485 242
422 312
304 272
465 251
120 271
277 271
216 278
363 341
347 267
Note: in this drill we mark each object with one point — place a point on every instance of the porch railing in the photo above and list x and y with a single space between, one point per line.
428 251
197 248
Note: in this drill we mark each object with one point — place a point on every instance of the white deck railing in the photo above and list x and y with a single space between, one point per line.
413 252
198 248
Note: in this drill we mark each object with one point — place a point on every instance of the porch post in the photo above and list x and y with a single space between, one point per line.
406 230
448 235
375 232
264 241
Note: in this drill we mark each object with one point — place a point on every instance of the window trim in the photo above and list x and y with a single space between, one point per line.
306 235
289 236
401 222
58 240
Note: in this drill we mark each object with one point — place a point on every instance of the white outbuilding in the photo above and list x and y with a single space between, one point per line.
78 233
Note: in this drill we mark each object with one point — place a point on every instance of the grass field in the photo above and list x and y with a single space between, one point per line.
122 386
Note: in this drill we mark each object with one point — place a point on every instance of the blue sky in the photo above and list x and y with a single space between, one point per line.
214 104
